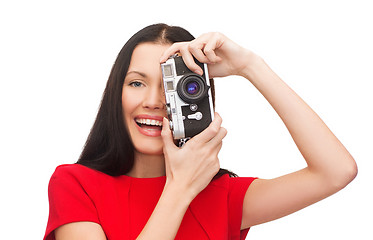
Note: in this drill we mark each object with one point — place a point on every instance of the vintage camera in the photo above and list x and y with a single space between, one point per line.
188 98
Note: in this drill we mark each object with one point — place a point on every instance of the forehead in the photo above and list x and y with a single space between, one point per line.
147 55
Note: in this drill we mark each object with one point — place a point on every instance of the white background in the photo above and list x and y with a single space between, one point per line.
55 58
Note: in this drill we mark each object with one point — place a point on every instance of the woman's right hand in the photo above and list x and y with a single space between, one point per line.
194 165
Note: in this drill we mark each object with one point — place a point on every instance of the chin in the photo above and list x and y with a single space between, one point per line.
150 147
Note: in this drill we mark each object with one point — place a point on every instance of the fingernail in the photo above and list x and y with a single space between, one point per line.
199 72
165 120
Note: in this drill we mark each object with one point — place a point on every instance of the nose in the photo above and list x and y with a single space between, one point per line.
154 98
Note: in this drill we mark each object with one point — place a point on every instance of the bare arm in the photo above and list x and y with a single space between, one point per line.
330 167
80 231
167 215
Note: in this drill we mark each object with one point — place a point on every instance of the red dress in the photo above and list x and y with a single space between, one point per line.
122 205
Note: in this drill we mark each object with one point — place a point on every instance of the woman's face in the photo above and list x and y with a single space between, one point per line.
143 99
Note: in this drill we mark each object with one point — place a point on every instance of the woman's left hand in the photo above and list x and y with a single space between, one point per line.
223 56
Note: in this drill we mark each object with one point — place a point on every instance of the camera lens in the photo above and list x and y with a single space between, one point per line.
192 88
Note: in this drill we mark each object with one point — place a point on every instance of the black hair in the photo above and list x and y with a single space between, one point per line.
109 148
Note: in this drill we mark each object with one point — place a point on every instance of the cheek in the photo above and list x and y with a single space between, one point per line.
130 101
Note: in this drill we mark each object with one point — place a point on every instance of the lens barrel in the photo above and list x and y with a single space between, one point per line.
192 88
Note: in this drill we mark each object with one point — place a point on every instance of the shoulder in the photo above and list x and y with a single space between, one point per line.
74 169
77 172
72 193
77 176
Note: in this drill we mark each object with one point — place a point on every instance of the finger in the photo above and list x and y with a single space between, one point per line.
168 140
189 61
215 151
182 48
173 49
209 50
217 140
210 132
195 47
212 57
199 55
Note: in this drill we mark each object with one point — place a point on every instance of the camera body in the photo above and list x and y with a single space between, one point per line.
188 98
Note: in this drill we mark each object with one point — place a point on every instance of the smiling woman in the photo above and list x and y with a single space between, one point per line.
133 182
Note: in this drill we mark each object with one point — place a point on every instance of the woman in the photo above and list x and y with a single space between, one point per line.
132 182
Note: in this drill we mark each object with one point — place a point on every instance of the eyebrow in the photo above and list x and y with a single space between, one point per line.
137 72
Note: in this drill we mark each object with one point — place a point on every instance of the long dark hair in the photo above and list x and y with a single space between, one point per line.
109 148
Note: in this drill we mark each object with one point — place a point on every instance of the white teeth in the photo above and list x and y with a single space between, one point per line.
149 122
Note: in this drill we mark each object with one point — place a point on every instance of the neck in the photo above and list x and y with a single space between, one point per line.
147 166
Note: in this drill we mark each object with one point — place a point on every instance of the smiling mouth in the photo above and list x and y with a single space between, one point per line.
148 122
149 125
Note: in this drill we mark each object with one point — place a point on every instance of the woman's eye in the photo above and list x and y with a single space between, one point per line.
136 84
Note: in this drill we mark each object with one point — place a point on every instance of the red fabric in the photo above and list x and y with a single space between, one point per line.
122 205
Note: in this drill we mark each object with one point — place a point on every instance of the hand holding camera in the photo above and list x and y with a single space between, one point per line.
186 79
223 56
192 167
